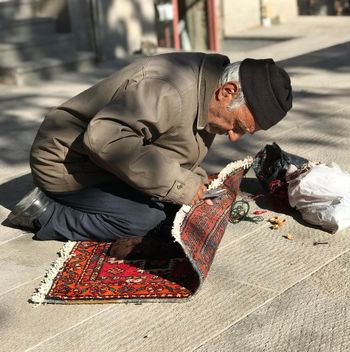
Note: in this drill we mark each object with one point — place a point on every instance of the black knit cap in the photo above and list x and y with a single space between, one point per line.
267 90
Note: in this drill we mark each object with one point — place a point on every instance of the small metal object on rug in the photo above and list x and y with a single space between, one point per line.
214 193
239 212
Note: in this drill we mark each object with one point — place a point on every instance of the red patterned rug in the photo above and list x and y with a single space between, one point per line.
85 273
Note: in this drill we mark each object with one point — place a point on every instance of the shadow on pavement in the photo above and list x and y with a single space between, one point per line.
334 58
13 191
17 136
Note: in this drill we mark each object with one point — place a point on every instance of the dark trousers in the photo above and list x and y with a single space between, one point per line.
101 213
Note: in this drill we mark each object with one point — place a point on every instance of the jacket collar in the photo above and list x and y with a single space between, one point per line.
209 74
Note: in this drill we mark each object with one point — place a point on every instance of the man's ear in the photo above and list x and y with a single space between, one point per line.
227 92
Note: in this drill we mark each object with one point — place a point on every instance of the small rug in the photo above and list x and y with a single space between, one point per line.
85 273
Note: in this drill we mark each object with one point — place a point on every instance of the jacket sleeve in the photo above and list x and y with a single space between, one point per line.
202 173
122 138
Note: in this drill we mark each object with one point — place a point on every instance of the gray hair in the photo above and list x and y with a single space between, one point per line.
231 73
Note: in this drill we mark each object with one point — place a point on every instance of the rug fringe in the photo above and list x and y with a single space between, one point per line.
40 293
229 169
224 173
179 218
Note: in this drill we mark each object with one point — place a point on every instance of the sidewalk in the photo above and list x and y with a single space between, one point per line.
263 292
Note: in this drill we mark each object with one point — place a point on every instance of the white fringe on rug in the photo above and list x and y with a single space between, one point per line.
39 295
224 173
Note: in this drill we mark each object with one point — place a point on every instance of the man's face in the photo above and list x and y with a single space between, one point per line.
235 123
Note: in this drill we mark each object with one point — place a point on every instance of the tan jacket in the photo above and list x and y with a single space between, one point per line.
143 124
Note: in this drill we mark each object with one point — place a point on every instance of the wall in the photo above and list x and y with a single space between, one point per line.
81 24
283 11
121 26
57 9
238 15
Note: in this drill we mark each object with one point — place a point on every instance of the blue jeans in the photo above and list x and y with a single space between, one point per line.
101 213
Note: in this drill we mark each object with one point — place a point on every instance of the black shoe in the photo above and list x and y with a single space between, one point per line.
29 209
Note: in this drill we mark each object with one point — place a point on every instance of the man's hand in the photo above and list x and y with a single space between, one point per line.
200 196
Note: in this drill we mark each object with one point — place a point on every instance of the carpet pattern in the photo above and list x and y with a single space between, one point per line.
204 225
90 275
85 273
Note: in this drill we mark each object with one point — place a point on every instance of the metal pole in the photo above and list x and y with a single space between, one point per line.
176 25
212 26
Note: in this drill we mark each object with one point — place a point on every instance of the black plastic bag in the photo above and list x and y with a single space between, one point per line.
271 164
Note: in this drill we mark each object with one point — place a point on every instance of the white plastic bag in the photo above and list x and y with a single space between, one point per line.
322 195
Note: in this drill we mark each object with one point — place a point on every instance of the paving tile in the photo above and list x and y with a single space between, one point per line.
267 259
23 259
312 316
12 189
22 325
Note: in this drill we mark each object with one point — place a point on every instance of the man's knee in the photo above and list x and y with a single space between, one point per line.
144 223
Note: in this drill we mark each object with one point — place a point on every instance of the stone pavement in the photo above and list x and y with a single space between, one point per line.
263 293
